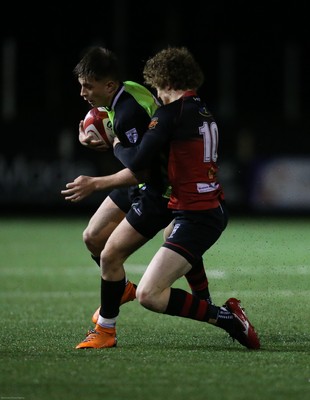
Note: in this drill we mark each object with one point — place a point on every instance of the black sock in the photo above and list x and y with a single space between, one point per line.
186 305
198 281
96 259
202 294
111 294
224 318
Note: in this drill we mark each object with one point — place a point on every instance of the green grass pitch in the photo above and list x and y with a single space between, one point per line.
50 288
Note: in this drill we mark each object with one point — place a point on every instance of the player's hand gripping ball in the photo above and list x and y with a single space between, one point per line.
97 124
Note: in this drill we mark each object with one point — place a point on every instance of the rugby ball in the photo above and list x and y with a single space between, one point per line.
98 124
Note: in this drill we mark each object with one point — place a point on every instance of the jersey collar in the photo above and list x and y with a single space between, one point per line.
189 93
116 97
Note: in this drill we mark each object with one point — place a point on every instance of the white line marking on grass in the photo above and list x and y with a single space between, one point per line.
255 294
240 269
272 269
140 269
47 294
262 294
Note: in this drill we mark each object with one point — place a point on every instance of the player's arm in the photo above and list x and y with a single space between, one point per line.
140 157
83 186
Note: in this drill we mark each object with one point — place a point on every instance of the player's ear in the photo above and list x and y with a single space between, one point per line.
111 86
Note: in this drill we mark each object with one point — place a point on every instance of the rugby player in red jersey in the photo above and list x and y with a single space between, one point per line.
189 132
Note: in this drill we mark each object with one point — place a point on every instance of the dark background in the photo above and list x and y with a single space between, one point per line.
255 58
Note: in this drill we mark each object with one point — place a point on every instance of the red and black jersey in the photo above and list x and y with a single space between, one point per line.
185 135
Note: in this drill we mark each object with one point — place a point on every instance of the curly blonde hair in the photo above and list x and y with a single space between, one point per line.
174 67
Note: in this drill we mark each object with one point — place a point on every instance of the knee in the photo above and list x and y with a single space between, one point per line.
106 258
93 241
88 237
146 298
111 260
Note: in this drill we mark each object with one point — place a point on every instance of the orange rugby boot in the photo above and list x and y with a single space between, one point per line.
99 338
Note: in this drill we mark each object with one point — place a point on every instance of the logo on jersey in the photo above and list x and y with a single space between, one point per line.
207 187
132 135
212 174
153 123
204 112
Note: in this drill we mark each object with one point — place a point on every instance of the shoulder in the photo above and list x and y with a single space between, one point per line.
131 86
136 89
165 116
171 109
143 96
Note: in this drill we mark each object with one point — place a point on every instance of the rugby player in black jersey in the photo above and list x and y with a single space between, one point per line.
130 107
185 129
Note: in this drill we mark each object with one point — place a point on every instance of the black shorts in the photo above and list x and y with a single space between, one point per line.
123 197
149 212
195 232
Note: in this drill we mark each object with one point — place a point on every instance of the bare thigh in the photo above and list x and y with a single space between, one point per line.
168 230
101 225
165 268
123 242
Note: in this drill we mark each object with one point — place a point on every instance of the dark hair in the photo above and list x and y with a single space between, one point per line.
98 63
174 67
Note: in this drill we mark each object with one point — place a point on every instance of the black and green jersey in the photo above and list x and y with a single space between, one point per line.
130 113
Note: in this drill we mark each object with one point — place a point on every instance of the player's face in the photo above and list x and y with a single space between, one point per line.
169 95
97 93
164 95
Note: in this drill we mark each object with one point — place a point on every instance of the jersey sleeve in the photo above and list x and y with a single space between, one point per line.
142 156
130 121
